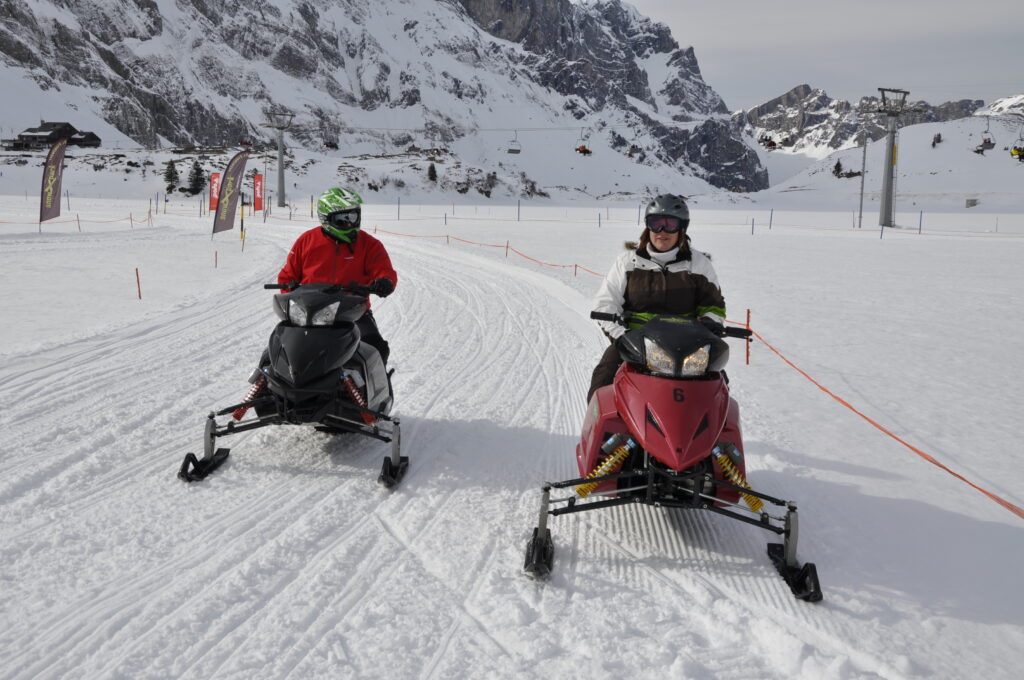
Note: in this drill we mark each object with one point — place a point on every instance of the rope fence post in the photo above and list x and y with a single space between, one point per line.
215 259
506 249
771 216
751 226
920 221
138 282
599 220
399 217
748 339
519 205
575 268
131 220
79 220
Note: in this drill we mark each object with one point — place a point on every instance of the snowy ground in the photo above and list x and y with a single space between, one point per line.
292 562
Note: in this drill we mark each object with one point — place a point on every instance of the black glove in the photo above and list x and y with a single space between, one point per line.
382 287
712 325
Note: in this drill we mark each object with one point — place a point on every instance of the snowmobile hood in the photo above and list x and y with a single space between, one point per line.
676 421
300 356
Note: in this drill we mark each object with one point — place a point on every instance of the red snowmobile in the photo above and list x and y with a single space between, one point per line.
667 433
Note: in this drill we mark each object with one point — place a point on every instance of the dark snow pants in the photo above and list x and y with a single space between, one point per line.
371 335
605 370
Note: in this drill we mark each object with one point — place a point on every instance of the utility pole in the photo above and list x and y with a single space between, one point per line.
893 103
863 163
280 121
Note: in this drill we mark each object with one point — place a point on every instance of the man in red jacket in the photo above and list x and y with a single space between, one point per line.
338 252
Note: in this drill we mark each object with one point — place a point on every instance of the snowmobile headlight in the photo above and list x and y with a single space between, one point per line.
658 360
297 313
325 317
696 363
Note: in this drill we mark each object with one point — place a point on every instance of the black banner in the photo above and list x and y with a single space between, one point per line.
230 188
53 170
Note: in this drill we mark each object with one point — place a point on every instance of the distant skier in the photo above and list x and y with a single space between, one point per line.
338 252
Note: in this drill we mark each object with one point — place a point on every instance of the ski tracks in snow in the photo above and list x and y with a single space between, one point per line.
290 562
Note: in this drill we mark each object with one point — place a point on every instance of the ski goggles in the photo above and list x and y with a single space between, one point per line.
664 223
343 219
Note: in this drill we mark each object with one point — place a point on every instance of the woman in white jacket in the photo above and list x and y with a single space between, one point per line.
662 276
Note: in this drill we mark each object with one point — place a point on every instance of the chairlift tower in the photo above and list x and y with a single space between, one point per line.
280 121
893 104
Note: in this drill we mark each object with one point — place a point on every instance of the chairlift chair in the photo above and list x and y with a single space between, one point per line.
986 139
581 145
513 144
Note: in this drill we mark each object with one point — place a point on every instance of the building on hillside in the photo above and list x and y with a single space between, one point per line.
44 136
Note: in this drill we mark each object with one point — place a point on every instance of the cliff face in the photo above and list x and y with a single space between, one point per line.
598 55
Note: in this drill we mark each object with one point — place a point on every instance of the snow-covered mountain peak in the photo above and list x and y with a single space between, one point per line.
377 77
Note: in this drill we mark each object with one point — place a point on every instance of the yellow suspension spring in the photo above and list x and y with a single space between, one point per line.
733 474
610 465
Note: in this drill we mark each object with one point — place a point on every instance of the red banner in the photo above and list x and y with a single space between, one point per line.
214 190
257 193
49 194
230 188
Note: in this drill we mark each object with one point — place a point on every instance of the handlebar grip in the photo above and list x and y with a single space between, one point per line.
604 316
732 332
274 286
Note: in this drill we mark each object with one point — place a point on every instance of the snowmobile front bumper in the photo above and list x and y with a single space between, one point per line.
648 486
383 428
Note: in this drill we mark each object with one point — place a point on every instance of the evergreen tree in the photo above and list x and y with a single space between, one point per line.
196 179
171 176
432 173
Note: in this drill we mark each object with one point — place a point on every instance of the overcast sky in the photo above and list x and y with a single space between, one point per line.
750 52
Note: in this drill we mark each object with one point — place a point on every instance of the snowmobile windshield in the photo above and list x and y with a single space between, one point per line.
674 347
319 305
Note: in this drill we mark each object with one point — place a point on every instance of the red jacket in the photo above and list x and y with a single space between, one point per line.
318 258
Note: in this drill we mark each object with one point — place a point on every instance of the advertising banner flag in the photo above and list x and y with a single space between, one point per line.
230 188
214 190
53 170
257 193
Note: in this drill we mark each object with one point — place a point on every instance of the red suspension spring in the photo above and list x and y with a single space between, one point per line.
256 390
357 397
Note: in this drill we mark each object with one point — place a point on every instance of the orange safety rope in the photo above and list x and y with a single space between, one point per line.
1003 502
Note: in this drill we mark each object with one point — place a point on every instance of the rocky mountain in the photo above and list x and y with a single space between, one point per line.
382 77
808 120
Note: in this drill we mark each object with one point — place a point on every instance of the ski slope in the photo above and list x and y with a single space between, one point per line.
291 562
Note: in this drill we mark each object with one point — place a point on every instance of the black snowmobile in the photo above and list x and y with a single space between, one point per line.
315 371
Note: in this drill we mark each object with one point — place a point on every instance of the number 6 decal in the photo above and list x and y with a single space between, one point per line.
677 394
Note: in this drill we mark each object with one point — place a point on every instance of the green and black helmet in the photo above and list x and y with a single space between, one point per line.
340 213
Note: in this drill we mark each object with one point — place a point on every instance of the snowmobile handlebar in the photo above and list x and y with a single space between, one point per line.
625 318
335 288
